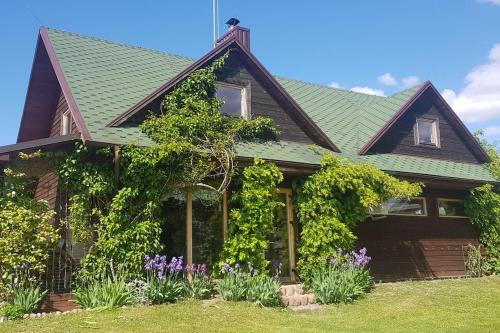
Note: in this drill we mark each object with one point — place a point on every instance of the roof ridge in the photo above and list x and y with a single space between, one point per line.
107 41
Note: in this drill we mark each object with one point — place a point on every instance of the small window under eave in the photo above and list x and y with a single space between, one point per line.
427 132
235 99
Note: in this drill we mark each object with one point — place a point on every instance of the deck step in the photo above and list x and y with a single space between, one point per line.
293 295
306 308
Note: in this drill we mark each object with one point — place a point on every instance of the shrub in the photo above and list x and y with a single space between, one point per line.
483 208
104 293
238 286
11 312
27 234
474 260
342 280
139 291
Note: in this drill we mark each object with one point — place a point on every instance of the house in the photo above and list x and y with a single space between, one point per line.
95 91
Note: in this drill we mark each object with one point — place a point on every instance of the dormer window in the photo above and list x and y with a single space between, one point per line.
427 132
235 100
66 123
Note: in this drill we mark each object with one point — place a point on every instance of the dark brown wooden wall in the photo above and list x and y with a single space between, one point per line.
62 106
400 138
262 103
418 247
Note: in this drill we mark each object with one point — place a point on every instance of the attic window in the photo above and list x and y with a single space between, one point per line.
427 132
66 123
235 100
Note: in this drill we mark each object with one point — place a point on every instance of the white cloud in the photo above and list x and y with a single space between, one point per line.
493 2
479 100
410 81
368 90
492 131
387 79
334 85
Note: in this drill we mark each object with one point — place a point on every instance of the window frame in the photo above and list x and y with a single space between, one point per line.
245 97
435 134
65 123
447 216
424 202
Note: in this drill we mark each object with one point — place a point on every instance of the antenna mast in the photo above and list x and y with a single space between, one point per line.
215 19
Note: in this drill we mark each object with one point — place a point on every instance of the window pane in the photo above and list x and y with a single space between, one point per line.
232 100
207 227
426 132
451 208
173 235
414 207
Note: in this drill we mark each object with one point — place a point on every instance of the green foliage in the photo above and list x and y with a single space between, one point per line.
168 290
200 288
11 312
251 224
483 208
27 234
193 143
332 201
27 299
493 151
332 284
263 290
474 260
235 285
105 293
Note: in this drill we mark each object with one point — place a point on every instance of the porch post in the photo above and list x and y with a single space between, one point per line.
189 226
224 215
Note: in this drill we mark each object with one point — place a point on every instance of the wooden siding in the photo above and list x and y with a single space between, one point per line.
400 139
61 107
46 188
262 104
418 247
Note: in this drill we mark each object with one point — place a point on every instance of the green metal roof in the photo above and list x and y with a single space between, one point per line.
107 79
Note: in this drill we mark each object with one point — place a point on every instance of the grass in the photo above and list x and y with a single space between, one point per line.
465 305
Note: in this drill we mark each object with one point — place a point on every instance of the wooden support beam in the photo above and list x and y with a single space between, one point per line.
189 226
224 215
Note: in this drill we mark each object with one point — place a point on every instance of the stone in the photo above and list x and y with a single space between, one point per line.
57 313
304 300
26 315
32 315
307 308
74 311
38 315
1 319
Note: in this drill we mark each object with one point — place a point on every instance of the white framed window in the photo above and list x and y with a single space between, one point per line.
451 208
404 207
236 99
66 123
427 132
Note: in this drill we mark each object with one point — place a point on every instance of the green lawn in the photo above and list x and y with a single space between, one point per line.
468 305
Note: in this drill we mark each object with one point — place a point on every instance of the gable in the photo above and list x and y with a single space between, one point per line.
455 143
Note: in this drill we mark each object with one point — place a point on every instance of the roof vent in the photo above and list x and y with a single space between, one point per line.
232 22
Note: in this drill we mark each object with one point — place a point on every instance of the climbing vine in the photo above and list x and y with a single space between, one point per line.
193 144
27 234
483 208
332 201
251 224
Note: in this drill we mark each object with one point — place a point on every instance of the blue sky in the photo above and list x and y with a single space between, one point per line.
374 46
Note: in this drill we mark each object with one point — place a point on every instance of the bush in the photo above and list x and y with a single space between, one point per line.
483 207
474 260
11 312
344 279
238 286
27 234
139 291
104 293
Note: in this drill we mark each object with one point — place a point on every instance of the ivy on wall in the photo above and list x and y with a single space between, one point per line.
251 224
333 200
193 143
